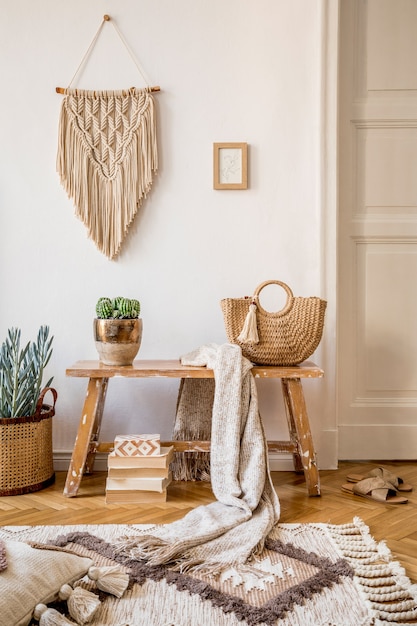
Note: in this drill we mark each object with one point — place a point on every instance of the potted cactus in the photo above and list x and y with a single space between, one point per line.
117 330
26 462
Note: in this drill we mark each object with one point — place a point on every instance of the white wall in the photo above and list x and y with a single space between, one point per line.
229 71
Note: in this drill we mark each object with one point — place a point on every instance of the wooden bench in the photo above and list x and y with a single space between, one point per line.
87 444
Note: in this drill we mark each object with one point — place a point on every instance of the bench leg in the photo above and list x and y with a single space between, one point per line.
84 451
299 427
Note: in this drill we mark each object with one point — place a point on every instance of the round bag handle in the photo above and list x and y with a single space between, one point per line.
287 289
42 394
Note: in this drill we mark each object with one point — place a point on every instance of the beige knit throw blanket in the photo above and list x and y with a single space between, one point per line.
232 530
107 157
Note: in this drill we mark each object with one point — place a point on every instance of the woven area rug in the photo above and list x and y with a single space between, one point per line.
308 575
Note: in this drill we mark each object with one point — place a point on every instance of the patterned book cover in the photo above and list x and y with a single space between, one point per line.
137 445
158 461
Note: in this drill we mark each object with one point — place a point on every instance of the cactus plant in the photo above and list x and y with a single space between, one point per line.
117 330
21 372
117 308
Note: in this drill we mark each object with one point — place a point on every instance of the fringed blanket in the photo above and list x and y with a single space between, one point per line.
193 423
233 529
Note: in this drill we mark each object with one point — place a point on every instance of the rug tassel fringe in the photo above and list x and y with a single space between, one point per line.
385 588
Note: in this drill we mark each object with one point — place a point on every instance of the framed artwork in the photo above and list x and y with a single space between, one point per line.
230 165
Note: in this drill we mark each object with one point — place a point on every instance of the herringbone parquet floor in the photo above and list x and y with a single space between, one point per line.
395 524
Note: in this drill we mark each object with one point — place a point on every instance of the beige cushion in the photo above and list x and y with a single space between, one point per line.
33 576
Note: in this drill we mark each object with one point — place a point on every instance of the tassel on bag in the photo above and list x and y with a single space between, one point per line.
249 333
82 604
109 579
49 617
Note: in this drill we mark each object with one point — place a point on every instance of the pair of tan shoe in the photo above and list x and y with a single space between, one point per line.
379 484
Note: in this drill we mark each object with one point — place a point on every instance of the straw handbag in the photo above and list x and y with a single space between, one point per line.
285 337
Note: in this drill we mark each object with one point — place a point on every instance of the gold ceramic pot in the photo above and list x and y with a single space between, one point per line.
117 340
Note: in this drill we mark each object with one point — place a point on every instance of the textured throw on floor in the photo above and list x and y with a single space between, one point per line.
233 529
107 157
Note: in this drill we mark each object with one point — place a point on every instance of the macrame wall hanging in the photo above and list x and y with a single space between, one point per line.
107 154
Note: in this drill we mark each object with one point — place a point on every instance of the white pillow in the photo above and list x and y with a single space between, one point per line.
32 576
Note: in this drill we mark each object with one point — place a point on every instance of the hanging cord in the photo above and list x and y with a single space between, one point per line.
106 18
92 44
135 61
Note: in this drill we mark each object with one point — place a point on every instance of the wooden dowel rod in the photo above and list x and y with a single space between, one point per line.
62 89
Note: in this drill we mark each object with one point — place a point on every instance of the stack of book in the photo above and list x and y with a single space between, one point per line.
138 470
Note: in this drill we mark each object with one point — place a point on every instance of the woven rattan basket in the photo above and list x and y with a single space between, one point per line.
26 461
285 337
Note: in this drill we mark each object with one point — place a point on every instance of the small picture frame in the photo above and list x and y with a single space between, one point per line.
230 165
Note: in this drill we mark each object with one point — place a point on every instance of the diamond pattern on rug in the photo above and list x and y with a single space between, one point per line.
264 592
275 574
283 577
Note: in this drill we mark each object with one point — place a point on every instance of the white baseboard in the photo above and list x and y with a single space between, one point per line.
281 462
62 460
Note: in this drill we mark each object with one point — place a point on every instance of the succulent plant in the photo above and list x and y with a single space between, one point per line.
21 372
117 308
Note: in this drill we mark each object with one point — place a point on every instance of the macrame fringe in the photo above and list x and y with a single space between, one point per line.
249 333
49 617
107 156
82 604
